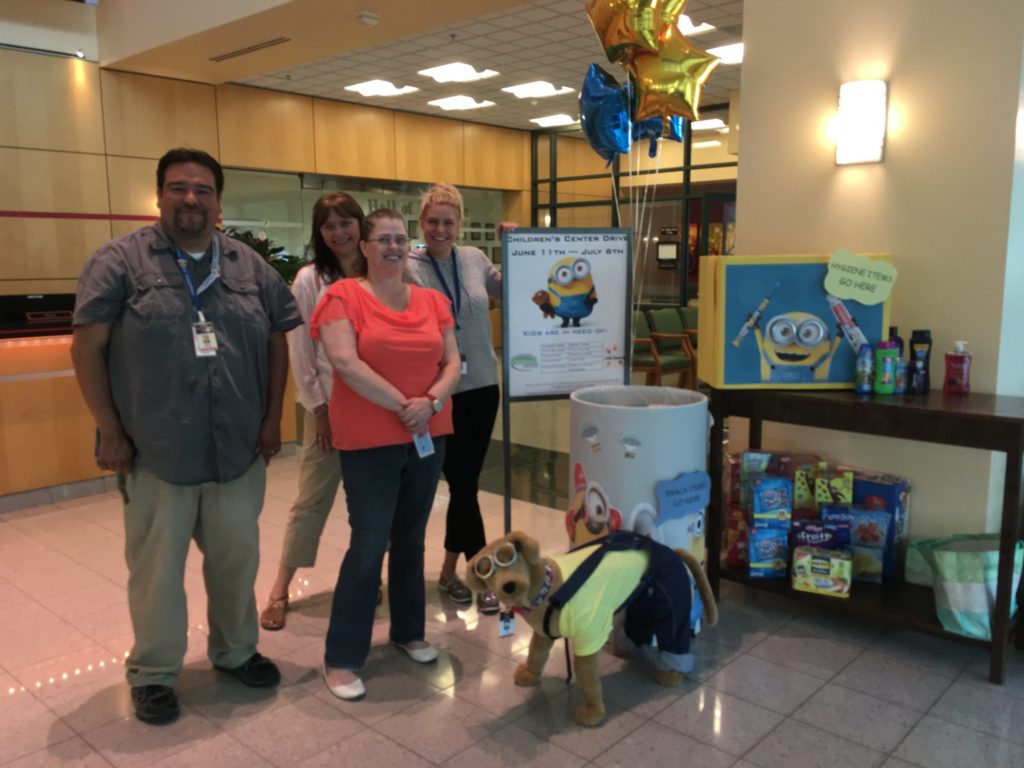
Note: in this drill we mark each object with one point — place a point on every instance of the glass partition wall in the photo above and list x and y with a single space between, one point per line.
680 204
280 205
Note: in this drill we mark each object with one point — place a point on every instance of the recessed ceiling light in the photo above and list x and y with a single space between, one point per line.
457 72
729 54
688 28
379 88
538 89
554 121
459 102
706 144
707 125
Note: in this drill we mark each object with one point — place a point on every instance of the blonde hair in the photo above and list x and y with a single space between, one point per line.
441 194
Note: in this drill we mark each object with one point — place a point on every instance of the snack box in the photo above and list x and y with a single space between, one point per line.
767 552
868 527
832 486
878 490
771 502
820 534
822 571
766 322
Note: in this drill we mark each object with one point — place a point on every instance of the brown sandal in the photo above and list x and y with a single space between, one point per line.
273 616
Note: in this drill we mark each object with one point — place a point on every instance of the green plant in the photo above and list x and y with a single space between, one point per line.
287 266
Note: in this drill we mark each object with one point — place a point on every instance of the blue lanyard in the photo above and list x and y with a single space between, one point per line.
456 300
210 278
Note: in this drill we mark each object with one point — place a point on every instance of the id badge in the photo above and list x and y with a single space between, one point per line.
205 339
464 369
506 624
424 445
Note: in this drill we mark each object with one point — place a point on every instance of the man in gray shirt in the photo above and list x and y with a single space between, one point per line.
180 353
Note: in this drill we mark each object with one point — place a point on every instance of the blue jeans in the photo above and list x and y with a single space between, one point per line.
389 492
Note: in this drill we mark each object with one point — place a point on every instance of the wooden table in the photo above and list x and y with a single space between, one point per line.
988 422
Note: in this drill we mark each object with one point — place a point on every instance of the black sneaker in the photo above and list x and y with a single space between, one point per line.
155 704
257 672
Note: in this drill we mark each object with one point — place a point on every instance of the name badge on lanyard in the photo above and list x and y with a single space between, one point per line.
204 336
455 298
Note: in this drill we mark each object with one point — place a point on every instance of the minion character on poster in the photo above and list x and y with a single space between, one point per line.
571 293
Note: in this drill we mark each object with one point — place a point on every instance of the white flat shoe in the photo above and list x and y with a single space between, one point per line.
349 691
424 655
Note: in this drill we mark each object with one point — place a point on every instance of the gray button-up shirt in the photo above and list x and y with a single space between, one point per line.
192 419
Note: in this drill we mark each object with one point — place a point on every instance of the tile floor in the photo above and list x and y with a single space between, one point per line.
777 684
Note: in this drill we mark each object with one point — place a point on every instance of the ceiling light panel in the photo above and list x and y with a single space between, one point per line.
457 72
456 103
380 88
689 29
554 121
538 89
707 125
729 54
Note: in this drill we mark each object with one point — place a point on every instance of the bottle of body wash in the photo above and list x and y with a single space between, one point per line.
958 370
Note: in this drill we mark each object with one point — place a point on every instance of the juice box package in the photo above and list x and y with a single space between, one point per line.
867 564
869 530
822 571
877 490
767 552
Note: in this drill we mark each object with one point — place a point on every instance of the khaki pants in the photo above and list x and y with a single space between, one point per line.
160 521
319 477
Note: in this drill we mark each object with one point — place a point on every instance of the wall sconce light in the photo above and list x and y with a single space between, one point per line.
860 123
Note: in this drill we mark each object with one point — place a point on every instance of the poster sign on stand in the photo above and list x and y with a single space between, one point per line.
566 302
565 313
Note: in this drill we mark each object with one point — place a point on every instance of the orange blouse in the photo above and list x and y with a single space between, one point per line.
406 348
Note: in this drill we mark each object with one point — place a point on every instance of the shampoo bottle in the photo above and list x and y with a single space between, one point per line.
958 370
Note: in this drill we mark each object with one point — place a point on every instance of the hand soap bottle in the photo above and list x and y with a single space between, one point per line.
958 370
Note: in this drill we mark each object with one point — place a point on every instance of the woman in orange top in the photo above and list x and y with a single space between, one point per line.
396 362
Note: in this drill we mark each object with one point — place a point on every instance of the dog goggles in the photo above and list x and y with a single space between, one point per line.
503 557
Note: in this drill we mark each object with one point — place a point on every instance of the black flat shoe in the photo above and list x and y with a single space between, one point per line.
257 672
155 704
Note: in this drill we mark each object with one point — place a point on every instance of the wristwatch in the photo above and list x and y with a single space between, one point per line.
436 404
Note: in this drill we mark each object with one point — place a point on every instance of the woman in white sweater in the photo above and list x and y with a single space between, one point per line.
337 223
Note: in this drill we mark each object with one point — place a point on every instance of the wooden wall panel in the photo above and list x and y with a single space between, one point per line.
353 140
44 418
265 129
132 188
494 157
48 248
43 181
146 116
50 103
429 149
19 287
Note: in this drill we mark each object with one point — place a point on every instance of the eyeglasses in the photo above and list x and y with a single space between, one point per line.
385 240
503 557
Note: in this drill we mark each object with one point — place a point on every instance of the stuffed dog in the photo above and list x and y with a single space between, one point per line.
650 580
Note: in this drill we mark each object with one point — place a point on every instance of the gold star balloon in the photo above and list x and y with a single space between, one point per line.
627 26
623 26
668 81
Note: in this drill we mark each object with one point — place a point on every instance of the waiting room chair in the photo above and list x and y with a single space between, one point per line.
673 345
645 352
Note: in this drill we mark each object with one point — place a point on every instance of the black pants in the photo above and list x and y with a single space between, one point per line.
473 414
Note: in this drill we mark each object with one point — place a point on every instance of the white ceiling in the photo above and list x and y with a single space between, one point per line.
549 40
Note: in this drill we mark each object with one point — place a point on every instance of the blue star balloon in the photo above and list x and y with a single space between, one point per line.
653 128
604 113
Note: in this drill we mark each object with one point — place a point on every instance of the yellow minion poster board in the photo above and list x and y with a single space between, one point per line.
565 310
790 321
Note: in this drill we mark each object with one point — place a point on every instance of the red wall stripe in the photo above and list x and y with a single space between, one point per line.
62 215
